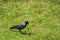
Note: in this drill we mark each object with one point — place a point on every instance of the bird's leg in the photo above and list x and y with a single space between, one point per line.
21 32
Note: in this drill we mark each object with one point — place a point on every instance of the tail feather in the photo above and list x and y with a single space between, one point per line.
14 27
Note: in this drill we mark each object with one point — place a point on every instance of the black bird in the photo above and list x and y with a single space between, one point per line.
21 26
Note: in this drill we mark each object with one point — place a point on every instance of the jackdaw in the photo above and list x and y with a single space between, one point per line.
21 26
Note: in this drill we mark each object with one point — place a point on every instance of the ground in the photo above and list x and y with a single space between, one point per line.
43 17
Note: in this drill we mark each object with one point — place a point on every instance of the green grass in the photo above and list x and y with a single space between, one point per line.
43 17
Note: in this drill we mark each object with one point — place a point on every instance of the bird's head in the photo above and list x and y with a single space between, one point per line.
26 22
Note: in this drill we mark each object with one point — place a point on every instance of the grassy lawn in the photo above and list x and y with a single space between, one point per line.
43 17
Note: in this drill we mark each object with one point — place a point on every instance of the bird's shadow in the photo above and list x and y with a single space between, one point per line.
27 33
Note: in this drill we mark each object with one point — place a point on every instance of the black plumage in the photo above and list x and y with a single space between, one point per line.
21 26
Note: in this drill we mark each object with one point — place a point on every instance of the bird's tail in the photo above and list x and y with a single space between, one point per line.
12 27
